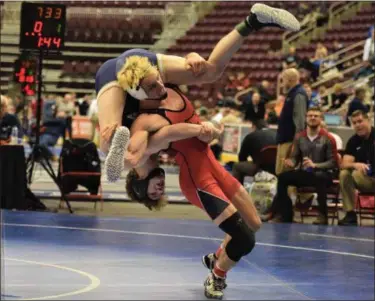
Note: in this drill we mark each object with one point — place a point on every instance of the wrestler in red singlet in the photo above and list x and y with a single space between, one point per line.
203 181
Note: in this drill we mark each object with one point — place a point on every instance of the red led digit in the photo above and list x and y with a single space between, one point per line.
40 42
30 78
21 78
57 42
47 41
38 26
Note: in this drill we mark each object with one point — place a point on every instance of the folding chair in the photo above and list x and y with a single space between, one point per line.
333 193
79 164
365 206
267 158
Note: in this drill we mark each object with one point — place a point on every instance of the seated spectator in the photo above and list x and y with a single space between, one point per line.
243 82
243 98
8 121
49 108
321 98
357 104
251 146
83 105
313 64
338 97
291 60
52 131
66 110
358 165
320 51
315 150
255 109
312 101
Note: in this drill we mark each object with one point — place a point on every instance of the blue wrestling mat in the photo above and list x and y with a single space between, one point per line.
58 256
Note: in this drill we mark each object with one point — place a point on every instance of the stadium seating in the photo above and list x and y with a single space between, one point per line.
349 32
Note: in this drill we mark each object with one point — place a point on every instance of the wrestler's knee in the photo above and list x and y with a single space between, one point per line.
242 199
243 238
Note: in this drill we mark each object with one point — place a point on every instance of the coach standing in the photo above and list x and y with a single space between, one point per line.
292 117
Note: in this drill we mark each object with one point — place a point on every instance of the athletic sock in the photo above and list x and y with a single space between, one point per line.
218 252
219 272
244 28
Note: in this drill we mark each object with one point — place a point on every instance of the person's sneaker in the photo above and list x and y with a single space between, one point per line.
114 163
262 15
321 220
214 286
350 219
209 261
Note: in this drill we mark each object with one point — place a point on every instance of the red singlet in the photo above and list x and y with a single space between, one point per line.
202 178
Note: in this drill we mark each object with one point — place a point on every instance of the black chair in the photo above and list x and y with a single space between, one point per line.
79 164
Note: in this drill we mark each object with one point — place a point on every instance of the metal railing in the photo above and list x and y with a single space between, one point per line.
325 69
337 54
341 10
336 13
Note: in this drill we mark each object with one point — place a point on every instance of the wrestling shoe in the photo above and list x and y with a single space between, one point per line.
114 163
262 15
214 286
209 261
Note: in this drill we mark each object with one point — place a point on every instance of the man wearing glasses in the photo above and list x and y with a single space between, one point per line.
313 160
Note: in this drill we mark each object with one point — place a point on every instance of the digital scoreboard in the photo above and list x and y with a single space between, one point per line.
42 26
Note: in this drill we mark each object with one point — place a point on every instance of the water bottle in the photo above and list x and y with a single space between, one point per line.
308 169
14 136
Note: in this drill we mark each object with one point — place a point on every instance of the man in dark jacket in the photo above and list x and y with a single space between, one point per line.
292 117
251 146
255 109
358 165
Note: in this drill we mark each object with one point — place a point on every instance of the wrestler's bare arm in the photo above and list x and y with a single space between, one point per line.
177 70
205 132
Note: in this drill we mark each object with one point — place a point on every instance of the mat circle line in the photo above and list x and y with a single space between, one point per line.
95 281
